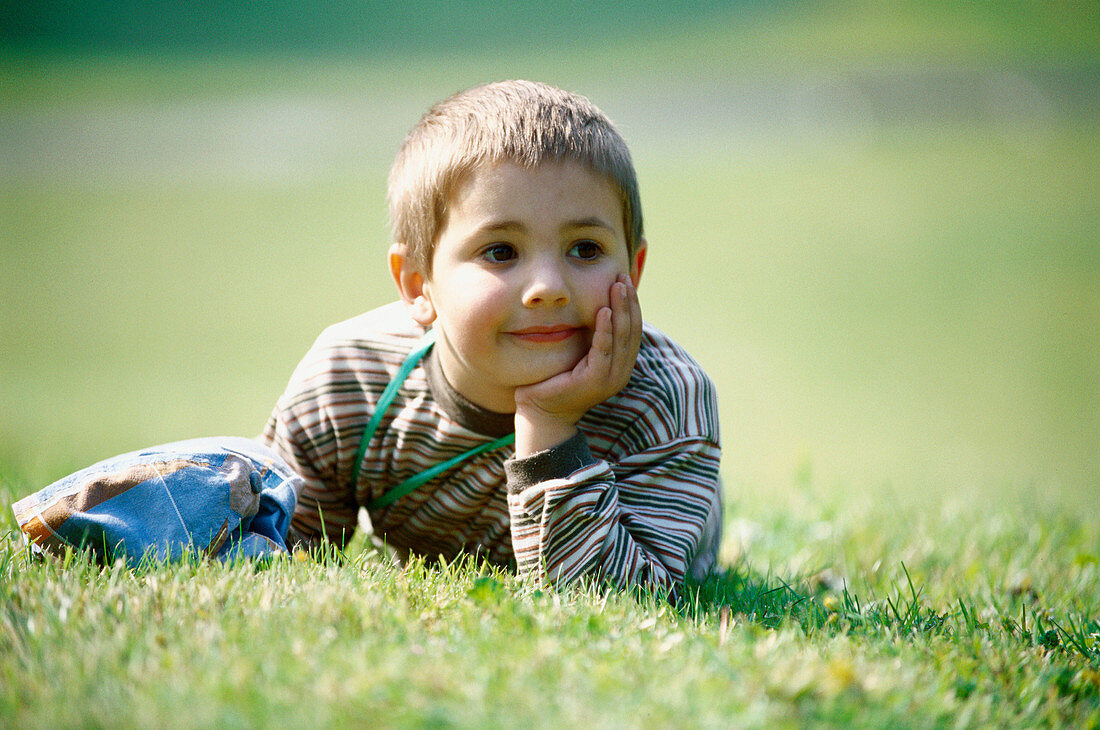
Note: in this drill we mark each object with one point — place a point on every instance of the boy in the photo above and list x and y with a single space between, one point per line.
512 404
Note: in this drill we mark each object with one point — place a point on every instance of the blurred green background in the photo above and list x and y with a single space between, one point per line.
874 223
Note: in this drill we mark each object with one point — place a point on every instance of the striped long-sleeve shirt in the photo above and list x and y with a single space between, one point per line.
633 498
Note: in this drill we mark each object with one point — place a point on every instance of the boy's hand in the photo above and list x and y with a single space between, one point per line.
547 413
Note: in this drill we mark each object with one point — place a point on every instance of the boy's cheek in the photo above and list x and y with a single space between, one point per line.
601 295
476 297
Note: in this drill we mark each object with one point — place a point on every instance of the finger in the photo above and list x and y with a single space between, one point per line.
620 309
628 327
635 319
603 341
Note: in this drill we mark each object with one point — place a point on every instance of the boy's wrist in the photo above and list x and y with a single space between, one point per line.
537 432
559 462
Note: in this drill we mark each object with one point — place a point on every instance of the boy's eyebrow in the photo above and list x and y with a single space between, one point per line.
494 226
590 222
510 225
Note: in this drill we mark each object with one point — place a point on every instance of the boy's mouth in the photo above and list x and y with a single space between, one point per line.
555 333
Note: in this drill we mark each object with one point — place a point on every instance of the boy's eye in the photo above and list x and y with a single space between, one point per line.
499 253
585 250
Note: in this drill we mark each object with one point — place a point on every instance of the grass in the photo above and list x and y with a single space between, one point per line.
969 620
900 314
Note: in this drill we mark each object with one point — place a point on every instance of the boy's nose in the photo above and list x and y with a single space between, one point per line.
546 285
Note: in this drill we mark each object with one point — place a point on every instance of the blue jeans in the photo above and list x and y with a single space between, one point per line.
217 497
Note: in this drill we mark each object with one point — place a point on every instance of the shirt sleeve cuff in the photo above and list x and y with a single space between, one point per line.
556 463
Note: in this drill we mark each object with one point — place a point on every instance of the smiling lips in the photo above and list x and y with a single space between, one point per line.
557 333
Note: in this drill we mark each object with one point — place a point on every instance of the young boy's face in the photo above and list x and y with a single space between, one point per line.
524 262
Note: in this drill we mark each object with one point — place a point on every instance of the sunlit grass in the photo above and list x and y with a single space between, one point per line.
943 619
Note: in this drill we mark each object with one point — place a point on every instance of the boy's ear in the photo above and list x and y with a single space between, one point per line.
637 262
411 285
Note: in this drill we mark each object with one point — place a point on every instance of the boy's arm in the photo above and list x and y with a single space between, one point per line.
572 515
641 523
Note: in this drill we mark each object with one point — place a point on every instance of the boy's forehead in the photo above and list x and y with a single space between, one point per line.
562 186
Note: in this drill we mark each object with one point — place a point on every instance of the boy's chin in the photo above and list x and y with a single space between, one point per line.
532 370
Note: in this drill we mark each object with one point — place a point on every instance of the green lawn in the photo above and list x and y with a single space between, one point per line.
989 620
900 309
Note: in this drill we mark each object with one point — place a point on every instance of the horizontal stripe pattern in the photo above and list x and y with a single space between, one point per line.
634 516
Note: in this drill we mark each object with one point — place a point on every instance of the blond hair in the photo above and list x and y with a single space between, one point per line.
524 122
